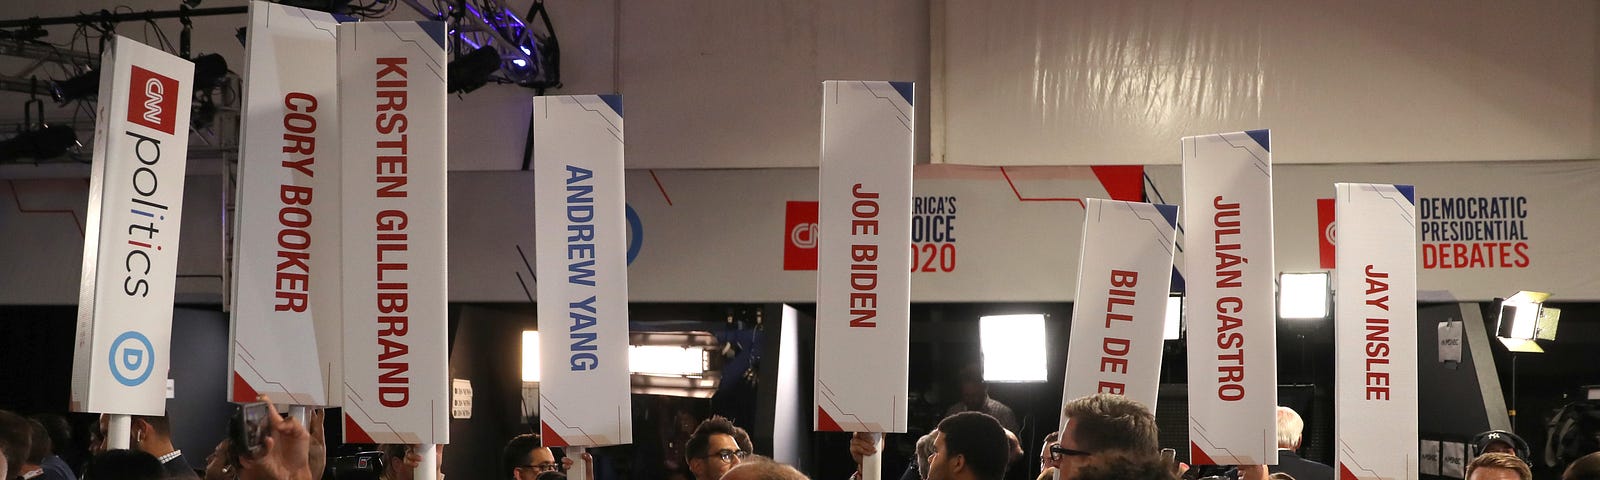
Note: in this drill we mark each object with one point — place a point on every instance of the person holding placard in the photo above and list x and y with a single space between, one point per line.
1100 424
716 447
969 446
975 398
1498 466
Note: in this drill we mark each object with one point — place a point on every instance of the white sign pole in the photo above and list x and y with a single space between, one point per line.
130 244
1126 266
581 257
580 466
1233 378
863 259
1375 332
286 310
119 431
393 189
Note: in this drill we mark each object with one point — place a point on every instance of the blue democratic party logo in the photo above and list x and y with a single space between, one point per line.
635 234
132 358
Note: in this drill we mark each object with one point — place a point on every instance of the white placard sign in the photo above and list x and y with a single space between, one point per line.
581 257
1375 332
1126 268
1233 378
130 243
286 309
392 183
1454 463
863 256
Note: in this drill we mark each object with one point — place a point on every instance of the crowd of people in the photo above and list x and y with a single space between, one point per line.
1106 437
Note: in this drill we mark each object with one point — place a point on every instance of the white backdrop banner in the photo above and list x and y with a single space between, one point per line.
1127 267
582 255
286 307
1227 218
863 256
392 88
130 246
1375 339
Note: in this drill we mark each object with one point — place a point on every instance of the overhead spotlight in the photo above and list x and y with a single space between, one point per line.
471 71
530 356
1304 296
1524 319
209 70
82 87
45 143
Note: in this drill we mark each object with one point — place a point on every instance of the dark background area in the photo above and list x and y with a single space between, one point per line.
486 348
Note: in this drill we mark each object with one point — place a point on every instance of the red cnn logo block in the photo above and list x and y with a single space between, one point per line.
800 236
154 102
1325 231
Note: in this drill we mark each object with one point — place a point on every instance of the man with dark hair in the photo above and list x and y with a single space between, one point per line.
33 464
153 435
525 458
60 433
1048 459
1586 467
716 447
16 442
970 446
1498 466
123 465
1103 423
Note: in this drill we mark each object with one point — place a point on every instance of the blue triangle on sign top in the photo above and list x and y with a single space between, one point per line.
1409 191
1261 137
615 101
905 89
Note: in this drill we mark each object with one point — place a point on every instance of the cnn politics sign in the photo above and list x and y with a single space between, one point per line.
131 243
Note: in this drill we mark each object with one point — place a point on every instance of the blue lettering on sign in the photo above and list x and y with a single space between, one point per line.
635 234
131 364
583 314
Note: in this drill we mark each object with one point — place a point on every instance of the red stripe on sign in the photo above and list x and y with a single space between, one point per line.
242 391
353 432
1122 182
1344 473
825 423
1198 456
1325 231
800 236
549 436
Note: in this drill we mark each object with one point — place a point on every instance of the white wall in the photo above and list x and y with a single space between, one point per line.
734 84
1039 82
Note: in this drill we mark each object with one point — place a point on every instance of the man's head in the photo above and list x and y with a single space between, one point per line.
57 428
525 457
970 446
1498 466
16 442
1501 441
715 447
1290 426
1586 467
41 444
757 467
123 465
1103 423
1046 459
152 435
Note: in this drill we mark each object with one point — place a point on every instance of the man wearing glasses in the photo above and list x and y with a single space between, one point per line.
716 447
524 458
1103 423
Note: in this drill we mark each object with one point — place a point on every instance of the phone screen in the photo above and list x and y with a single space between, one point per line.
254 428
